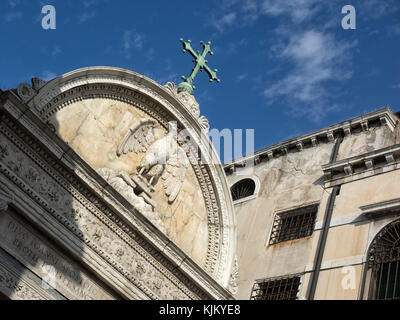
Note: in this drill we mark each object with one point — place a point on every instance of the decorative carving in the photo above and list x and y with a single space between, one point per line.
233 285
190 103
174 174
389 158
139 138
53 102
347 130
25 92
330 135
205 125
314 141
188 100
364 125
17 287
119 183
38 84
5 200
3 151
300 145
89 218
146 95
162 158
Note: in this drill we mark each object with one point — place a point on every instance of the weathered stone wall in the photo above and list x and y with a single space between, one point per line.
351 233
296 179
286 182
365 141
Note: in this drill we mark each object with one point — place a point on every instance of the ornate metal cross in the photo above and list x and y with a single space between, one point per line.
201 64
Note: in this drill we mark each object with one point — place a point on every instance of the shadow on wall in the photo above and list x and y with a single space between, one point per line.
36 212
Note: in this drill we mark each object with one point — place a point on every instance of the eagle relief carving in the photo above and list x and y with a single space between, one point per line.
163 160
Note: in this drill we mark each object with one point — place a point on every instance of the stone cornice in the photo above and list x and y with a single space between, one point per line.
381 208
383 116
362 166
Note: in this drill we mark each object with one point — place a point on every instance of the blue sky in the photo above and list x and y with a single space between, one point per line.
286 67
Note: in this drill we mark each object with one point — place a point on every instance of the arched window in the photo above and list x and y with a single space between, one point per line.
243 189
384 264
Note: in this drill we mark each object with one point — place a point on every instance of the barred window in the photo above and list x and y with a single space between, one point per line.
294 224
282 288
242 189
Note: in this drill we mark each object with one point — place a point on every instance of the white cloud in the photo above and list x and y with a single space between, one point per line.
86 16
297 10
132 39
88 3
241 77
316 59
150 54
57 50
377 8
14 3
396 29
9 17
227 19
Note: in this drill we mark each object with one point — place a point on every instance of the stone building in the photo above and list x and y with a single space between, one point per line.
88 210
318 216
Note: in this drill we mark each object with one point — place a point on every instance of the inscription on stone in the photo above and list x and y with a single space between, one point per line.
37 255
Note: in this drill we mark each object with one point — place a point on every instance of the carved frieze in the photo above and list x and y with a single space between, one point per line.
35 254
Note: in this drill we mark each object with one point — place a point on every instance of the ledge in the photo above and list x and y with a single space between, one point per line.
382 116
380 209
362 166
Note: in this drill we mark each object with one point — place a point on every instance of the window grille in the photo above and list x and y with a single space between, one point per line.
242 189
294 224
384 263
282 288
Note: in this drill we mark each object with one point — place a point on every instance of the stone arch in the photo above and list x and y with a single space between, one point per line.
383 263
164 104
244 188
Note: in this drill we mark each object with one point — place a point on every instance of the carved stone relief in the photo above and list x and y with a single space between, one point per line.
96 226
102 86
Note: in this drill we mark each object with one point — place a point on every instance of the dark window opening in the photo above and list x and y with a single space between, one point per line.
294 224
283 288
384 262
242 189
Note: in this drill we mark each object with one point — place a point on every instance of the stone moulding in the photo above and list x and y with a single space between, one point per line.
111 82
327 135
19 286
380 209
362 166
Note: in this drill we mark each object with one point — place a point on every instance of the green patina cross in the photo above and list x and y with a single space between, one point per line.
201 63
